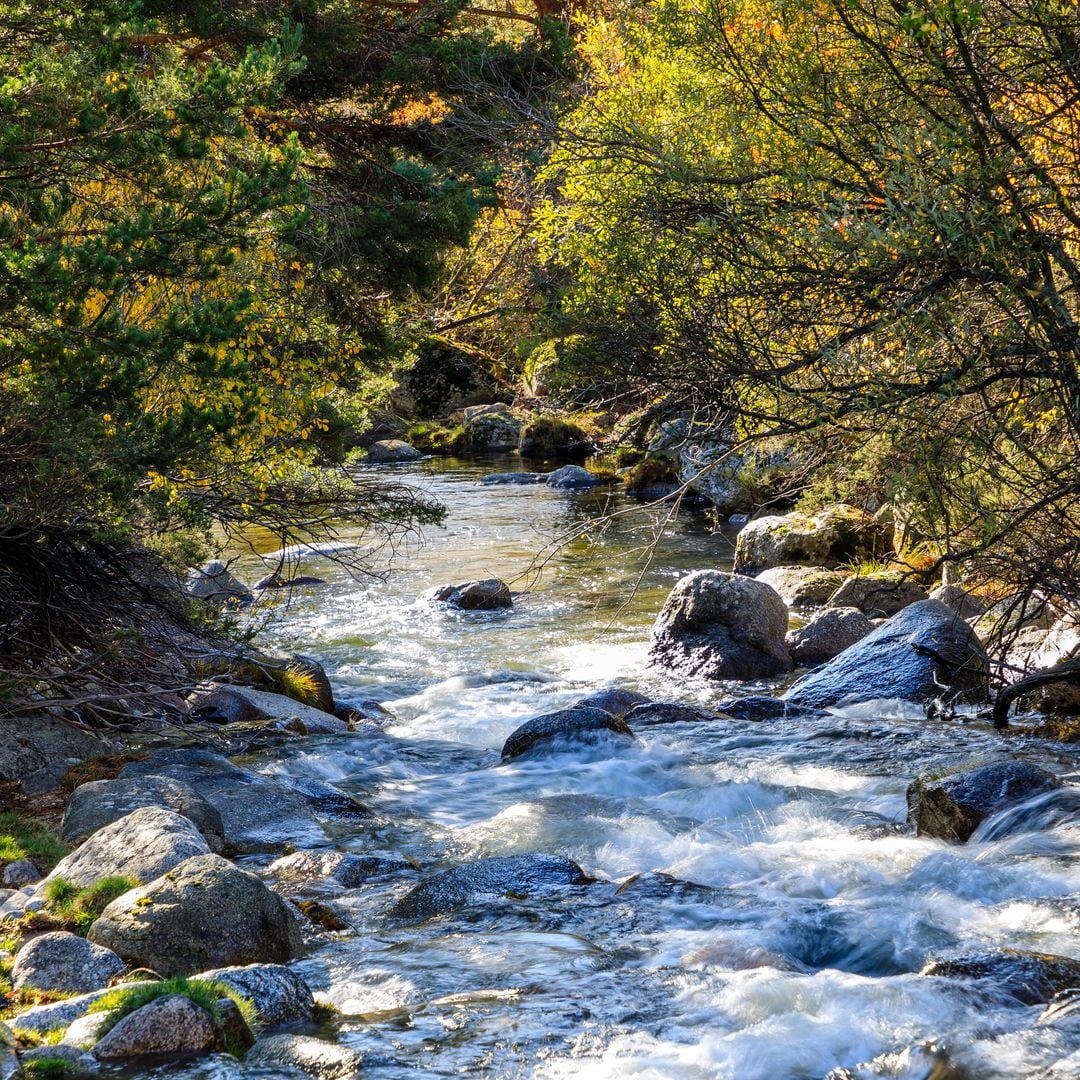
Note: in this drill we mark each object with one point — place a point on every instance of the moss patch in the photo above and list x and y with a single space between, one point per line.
431 437
29 838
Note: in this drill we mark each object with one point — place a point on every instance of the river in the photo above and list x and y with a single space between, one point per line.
796 949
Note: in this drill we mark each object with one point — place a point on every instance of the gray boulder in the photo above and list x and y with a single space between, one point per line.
216 584
1030 978
19 873
517 874
832 537
143 845
264 705
803 586
515 478
880 594
392 452
172 1024
317 1058
491 594
574 724
924 652
349 871
64 962
572 476
965 604
953 807
32 744
258 814
205 914
277 993
721 626
761 707
492 428
827 634
99 803
84 1031
614 700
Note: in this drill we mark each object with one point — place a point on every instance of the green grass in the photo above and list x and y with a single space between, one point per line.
28 838
81 906
48 1067
205 993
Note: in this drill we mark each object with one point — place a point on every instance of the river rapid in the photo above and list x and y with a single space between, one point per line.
795 948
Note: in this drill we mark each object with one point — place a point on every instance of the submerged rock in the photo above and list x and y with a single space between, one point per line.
206 913
1030 978
169 1025
491 594
721 626
566 724
759 707
279 581
880 594
803 586
827 634
99 803
572 476
316 1057
667 712
515 478
953 807
391 452
615 701
144 844
518 874
257 813
65 962
924 652
325 799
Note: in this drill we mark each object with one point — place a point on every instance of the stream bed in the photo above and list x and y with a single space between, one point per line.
761 910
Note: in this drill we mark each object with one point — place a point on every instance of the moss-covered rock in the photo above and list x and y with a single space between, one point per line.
554 437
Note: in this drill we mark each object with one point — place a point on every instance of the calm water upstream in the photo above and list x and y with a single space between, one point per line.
795 952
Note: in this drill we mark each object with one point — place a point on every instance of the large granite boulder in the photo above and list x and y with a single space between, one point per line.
567 725
206 913
391 452
803 586
1031 978
289 1054
832 537
879 594
722 626
491 594
243 704
954 806
517 874
170 1025
827 634
492 428
277 993
143 845
65 962
98 803
257 813
923 653
32 745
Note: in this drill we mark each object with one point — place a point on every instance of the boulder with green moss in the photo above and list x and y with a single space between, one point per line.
554 437
492 428
171 1025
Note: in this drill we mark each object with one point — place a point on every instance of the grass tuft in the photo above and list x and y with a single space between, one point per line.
24 837
80 907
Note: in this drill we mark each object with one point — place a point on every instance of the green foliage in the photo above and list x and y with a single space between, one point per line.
649 473
554 436
206 993
434 438
28 838
49 1067
81 906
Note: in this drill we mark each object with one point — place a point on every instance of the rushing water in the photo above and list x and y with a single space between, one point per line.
797 948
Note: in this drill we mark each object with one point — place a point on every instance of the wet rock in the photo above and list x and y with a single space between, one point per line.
880 594
953 807
350 871
492 427
667 712
216 584
172 1025
34 743
832 537
759 707
965 604
61 1014
206 913
99 803
277 993
264 705
567 724
76 1062
19 873
279 581
325 916
924 652
615 701
1030 978
515 478
144 844
64 962
572 476
518 874
491 594
325 799
721 626
392 452
316 1057
803 586
257 813
827 634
